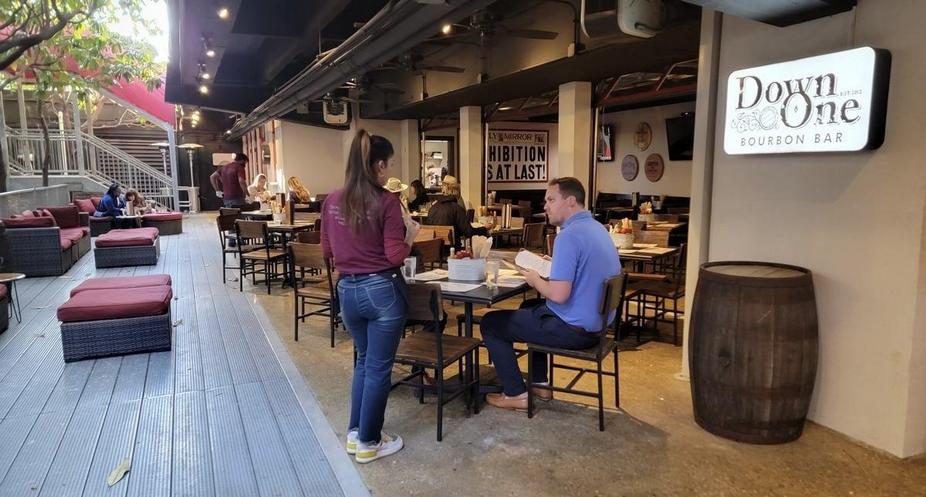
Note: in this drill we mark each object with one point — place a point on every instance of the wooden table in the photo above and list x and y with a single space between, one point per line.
10 279
287 232
662 226
642 259
257 215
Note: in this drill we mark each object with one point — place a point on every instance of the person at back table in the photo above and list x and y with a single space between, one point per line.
135 204
446 211
113 205
418 196
568 314
298 193
230 182
257 190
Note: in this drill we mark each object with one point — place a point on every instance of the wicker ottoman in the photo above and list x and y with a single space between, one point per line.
123 282
107 322
168 223
130 247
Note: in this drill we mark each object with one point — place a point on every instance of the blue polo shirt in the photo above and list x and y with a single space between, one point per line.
584 255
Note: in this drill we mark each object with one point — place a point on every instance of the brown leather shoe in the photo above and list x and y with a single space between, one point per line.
502 401
543 394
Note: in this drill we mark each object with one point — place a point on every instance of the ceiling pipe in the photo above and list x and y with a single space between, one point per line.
396 28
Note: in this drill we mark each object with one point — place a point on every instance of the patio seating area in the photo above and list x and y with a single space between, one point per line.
223 413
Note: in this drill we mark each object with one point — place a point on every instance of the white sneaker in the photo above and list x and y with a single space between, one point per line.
352 441
388 445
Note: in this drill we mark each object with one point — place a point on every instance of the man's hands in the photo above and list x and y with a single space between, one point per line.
530 276
219 194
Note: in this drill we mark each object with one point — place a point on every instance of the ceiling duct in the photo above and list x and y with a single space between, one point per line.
396 29
607 18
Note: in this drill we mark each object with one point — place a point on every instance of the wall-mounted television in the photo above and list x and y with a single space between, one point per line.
680 136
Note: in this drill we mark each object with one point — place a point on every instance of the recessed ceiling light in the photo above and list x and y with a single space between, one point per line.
205 75
223 13
228 132
204 89
446 29
210 53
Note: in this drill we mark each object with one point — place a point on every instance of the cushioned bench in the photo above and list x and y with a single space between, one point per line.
167 223
115 321
4 308
123 282
46 241
129 247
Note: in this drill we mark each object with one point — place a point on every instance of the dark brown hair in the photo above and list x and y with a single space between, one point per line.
362 191
570 187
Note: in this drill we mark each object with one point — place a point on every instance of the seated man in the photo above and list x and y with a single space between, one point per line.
567 316
448 212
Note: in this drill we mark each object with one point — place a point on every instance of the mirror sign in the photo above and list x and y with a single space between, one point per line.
829 103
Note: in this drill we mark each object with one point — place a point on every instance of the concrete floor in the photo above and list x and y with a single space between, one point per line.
651 448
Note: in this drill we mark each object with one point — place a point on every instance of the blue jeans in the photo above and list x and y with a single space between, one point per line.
233 202
373 308
532 323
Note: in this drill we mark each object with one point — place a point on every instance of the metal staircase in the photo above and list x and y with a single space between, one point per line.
81 154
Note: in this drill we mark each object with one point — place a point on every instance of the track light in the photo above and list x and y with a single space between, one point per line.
222 13
446 29
204 89
207 47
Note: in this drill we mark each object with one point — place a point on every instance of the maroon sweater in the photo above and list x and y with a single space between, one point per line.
378 246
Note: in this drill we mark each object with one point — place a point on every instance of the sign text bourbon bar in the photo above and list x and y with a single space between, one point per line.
830 103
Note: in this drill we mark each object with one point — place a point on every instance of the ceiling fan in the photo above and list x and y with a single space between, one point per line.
486 24
415 63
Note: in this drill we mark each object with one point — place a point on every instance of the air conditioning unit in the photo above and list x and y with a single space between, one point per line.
641 18
335 112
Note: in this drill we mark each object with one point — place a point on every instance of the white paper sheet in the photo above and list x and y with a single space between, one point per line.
447 286
432 275
511 281
656 251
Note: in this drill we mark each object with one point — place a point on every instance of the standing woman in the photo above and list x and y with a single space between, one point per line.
362 228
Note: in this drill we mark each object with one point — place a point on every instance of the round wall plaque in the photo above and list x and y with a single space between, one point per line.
654 167
643 137
630 167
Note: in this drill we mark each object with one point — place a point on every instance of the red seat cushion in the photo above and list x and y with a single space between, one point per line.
66 243
67 216
116 303
123 282
30 222
163 216
4 291
28 214
96 202
85 205
128 238
72 234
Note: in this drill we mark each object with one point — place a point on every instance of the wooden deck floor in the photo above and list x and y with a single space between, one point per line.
222 414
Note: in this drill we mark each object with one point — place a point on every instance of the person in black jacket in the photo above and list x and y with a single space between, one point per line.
447 212
418 197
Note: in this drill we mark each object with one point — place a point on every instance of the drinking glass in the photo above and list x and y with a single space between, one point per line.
408 268
492 268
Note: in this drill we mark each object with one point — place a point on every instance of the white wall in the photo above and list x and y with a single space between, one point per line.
314 154
552 153
676 180
318 155
855 219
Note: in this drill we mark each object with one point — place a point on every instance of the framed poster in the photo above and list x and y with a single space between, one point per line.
654 167
605 147
630 167
516 156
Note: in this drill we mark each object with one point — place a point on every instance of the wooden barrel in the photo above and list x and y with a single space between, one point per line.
753 350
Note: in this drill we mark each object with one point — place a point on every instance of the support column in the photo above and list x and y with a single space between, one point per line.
576 120
78 137
411 150
21 101
4 151
172 153
702 165
471 148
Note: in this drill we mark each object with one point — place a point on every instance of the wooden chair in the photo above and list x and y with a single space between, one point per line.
436 351
318 291
229 210
263 256
549 240
444 233
660 238
226 225
424 234
517 222
654 291
532 236
314 237
613 302
428 252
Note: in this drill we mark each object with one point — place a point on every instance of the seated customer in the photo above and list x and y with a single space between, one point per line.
135 204
418 196
257 190
447 212
298 193
567 316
